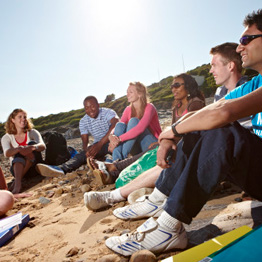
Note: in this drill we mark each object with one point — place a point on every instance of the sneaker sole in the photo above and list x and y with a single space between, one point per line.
90 207
98 177
44 171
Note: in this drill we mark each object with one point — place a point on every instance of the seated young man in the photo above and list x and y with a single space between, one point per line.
97 122
214 148
226 66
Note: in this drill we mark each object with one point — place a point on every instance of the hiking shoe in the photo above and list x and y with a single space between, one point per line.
49 171
97 200
143 207
151 236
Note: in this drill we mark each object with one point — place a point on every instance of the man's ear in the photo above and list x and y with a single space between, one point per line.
231 66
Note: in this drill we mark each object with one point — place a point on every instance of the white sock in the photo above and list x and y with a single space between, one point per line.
168 221
116 195
156 196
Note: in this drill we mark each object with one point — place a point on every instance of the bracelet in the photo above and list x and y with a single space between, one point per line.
36 147
174 129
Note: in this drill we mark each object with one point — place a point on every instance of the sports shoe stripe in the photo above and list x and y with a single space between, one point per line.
128 247
130 212
169 236
131 246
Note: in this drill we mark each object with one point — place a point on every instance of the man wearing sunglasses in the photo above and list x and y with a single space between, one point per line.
213 148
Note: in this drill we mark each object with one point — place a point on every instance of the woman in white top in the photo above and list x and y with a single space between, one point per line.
22 144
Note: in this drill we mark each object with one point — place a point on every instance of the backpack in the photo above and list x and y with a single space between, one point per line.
56 148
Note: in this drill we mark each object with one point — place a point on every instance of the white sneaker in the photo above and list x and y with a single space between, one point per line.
49 171
151 236
97 200
143 207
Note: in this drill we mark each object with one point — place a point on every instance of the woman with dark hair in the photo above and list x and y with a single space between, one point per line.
187 97
22 144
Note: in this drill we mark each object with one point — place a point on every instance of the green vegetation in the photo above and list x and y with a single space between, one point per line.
160 95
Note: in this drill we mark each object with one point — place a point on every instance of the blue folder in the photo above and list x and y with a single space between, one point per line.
6 235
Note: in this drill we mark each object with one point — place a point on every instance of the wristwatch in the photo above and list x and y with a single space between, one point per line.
174 129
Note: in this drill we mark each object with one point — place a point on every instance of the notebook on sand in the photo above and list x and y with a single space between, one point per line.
7 234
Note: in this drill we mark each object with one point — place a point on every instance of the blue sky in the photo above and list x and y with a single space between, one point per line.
54 53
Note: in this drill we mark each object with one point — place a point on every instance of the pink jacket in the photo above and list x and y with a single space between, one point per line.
149 120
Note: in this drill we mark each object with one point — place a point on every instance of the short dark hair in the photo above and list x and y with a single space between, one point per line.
229 53
254 18
90 98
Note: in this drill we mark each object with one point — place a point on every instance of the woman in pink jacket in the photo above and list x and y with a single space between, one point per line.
139 125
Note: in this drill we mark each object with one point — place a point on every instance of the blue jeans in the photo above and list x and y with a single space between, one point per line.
206 158
80 159
143 140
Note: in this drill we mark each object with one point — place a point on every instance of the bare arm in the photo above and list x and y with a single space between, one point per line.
34 135
85 141
218 114
94 149
113 122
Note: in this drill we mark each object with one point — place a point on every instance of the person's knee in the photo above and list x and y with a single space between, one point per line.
6 201
120 129
133 121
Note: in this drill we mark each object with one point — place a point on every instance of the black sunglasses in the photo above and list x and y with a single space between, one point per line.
177 85
246 39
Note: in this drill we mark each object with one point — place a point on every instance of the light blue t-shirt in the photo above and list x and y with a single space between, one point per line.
245 89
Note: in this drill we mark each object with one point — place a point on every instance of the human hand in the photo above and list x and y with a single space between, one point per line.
164 148
114 142
26 150
93 150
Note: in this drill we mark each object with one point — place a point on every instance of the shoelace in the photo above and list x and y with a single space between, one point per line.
137 236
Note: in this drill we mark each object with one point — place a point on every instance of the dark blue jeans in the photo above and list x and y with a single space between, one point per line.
80 159
206 158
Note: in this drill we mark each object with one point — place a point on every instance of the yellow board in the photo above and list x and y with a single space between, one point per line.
199 252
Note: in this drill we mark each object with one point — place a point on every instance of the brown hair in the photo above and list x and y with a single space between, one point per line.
229 53
10 126
142 90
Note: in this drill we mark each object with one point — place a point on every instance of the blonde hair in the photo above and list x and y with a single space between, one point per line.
142 91
10 126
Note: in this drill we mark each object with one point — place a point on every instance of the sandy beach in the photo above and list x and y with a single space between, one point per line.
63 229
